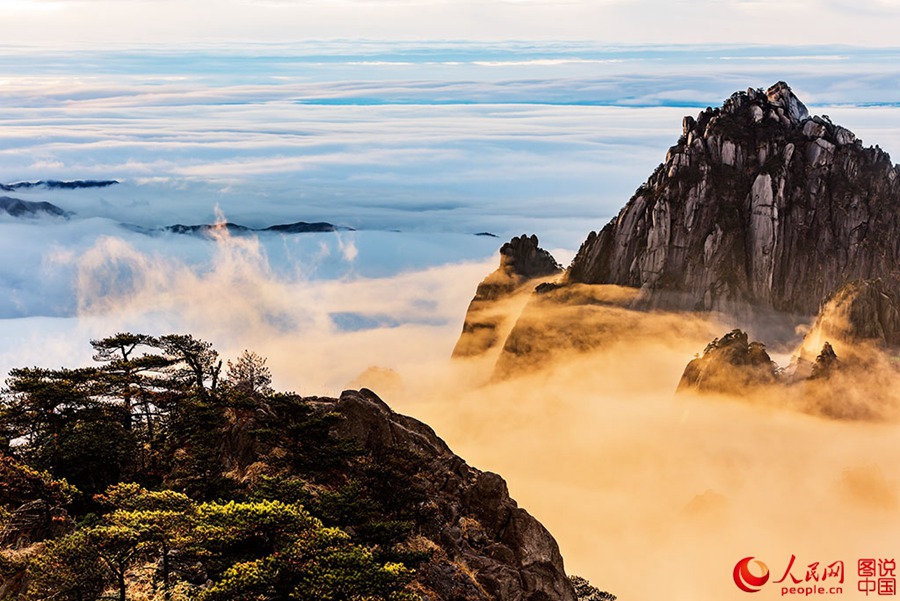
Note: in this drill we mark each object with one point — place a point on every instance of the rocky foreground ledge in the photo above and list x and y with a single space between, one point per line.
488 548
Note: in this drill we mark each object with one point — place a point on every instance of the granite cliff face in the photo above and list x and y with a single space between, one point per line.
757 207
523 265
488 548
761 214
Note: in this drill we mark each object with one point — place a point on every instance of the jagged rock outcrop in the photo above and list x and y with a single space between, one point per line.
489 548
521 261
734 365
523 264
758 207
826 363
858 386
730 364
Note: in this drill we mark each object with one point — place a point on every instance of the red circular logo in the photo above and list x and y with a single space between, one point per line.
746 580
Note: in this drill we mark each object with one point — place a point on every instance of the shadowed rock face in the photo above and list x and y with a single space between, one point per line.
523 263
34 522
826 363
861 311
734 365
490 549
757 207
858 386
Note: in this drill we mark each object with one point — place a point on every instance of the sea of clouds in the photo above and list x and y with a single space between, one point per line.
416 149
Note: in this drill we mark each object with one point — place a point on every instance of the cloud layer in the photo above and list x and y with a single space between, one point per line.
649 496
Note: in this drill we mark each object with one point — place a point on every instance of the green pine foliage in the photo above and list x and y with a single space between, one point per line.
215 485
585 591
68 569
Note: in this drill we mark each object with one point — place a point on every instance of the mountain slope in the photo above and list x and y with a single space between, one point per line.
508 553
224 489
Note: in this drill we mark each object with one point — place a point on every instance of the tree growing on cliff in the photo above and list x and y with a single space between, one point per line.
229 490
585 591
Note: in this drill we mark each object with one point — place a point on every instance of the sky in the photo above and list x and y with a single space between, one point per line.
796 22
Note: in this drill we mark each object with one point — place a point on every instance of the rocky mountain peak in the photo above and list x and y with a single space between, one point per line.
826 362
523 258
783 97
523 265
757 208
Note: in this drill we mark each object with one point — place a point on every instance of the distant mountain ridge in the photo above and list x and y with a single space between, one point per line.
16 207
53 184
207 230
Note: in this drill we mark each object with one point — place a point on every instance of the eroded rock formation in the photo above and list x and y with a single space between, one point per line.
757 207
523 265
730 364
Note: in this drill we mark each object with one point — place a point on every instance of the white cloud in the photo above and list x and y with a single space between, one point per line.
189 130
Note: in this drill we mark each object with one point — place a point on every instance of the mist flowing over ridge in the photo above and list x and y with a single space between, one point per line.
761 218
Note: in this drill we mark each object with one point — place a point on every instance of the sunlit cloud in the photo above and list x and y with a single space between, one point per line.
643 476
419 147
